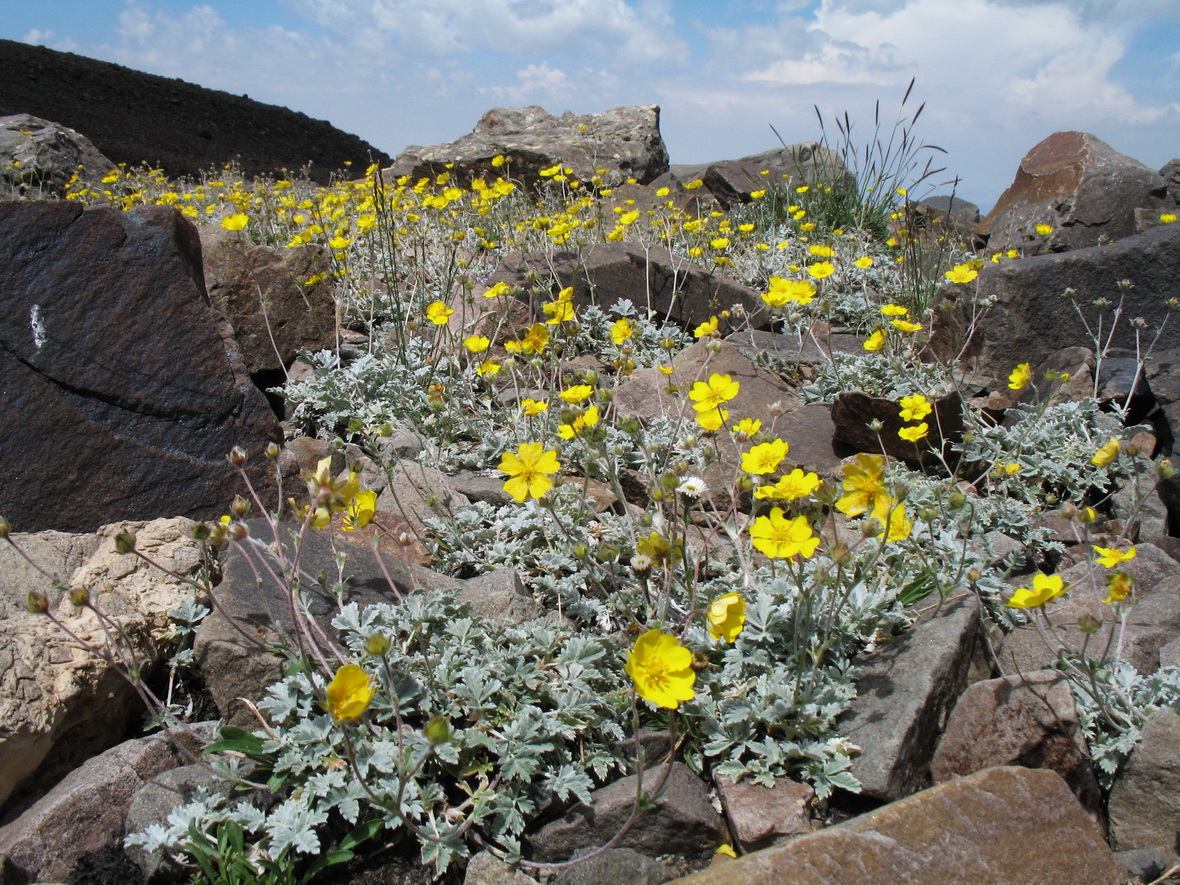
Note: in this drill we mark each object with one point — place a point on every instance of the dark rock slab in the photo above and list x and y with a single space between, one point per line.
1144 805
854 412
1003 826
732 181
120 397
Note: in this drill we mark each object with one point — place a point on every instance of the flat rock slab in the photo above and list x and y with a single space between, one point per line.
1002 826
120 398
1144 803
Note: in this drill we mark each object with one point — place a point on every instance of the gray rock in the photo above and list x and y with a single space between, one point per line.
121 396
988 827
85 811
486 869
500 596
681 820
854 412
1027 720
1079 185
416 492
806 349
1144 806
732 181
760 816
625 141
1029 319
614 866
905 692
38 157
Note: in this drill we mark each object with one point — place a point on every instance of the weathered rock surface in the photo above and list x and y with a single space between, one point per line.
260 292
732 181
1003 826
1144 805
759 816
86 811
121 397
1028 720
681 821
613 866
40 157
650 277
232 644
625 141
60 704
905 692
854 412
1030 319
1085 190
161 121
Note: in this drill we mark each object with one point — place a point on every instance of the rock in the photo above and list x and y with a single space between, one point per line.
163 121
614 866
1144 806
792 348
500 596
1162 371
905 692
988 827
945 215
732 181
415 493
1030 319
1152 623
261 293
650 277
811 433
85 811
232 645
1085 190
681 819
59 703
625 141
1028 719
760 816
121 398
485 868
854 412
40 157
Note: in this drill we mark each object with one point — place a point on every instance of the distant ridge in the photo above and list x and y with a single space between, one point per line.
134 118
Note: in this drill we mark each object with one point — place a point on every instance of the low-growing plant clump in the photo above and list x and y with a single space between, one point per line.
723 595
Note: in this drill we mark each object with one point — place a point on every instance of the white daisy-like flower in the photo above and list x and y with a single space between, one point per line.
693 486
640 562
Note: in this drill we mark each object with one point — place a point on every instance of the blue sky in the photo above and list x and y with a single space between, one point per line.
996 76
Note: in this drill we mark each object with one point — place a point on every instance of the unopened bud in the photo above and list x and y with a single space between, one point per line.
4 528
240 507
237 456
581 551
273 451
438 731
1167 471
238 531
201 531
974 574
957 500
377 644
875 425
38 603
80 596
125 543
1089 624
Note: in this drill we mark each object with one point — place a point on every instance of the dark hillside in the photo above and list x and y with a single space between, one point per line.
134 118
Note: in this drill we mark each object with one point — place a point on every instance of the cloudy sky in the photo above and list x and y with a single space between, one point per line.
996 76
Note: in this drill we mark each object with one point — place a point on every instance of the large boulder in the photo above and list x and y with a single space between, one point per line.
121 398
41 157
1145 799
59 703
1085 190
626 142
1028 319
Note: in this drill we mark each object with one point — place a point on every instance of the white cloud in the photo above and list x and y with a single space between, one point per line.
534 83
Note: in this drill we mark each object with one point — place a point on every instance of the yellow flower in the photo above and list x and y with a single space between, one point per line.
747 427
438 312
720 243
587 419
706 328
821 269
1043 230
528 468
1020 377
864 261
864 482
533 407
781 291
1044 589
1118 587
962 273
1110 556
659 550
757 195
782 538
709 395
906 325
712 419
476 343
559 311
621 330
1106 454
875 341
726 616
501 288
535 340
661 669
576 394
764 458
237 221
820 251
725 848
1168 217
361 510
915 408
693 185
913 434
349 693
498 160
790 486
488 367
891 515
894 310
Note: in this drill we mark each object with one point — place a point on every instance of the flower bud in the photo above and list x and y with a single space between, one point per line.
38 603
581 551
438 731
4 528
240 507
974 574
238 531
201 531
377 644
657 495
1166 470
273 451
1089 624
125 543
80 596
237 456
957 500
875 425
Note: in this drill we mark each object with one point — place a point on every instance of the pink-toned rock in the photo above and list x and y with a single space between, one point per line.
759 816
